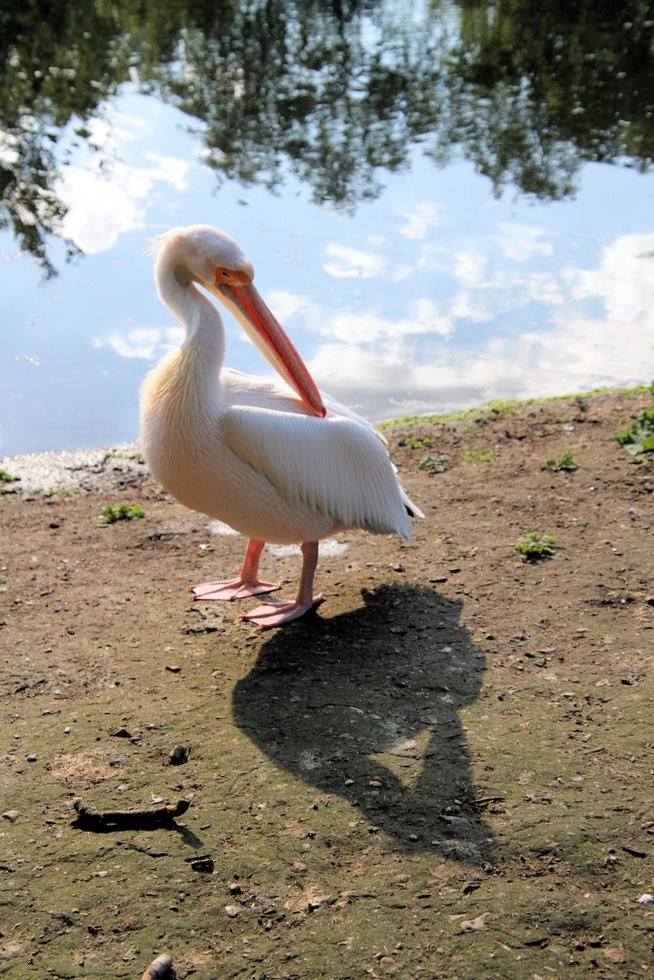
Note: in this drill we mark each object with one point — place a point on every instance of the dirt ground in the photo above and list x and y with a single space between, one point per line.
445 772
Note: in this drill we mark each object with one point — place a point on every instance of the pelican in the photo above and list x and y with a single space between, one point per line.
277 462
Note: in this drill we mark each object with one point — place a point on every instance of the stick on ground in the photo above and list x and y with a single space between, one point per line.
160 816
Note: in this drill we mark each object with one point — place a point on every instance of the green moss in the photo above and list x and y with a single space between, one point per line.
536 546
111 513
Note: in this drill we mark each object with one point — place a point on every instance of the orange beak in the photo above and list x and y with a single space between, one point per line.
264 330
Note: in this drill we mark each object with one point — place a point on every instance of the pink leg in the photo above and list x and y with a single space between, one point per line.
270 614
247 584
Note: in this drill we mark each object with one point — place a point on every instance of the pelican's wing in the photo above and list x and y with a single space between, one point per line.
249 390
333 466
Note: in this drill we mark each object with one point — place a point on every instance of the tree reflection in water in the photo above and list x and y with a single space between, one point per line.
336 94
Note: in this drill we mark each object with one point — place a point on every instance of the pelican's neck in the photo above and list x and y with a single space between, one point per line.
204 344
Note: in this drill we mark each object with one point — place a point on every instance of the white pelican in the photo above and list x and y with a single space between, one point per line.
274 465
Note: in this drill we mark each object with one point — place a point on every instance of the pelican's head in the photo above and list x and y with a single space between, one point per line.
201 254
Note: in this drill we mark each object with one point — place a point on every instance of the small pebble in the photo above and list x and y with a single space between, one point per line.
232 910
67 730
12 816
173 668
121 733
179 756
645 899
31 757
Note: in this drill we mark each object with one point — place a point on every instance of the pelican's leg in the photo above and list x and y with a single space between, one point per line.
247 584
279 612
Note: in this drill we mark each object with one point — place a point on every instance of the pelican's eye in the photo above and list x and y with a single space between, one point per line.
232 277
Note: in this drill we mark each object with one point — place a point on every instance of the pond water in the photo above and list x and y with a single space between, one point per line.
444 203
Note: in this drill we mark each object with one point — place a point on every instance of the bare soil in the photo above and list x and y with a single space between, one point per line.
445 772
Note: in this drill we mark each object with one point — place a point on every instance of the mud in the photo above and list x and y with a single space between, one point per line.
445 772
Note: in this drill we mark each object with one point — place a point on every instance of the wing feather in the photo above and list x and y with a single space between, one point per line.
332 466
246 389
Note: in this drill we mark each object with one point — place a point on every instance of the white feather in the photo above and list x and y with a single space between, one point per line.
333 467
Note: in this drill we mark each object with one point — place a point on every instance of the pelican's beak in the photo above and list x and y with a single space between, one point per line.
261 326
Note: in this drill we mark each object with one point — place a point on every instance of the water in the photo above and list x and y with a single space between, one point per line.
444 203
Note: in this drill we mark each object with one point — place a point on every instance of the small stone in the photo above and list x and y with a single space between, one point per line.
235 888
121 733
13 815
67 730
645 899
203 863
233 910
179 756
31 757
173 668
477 924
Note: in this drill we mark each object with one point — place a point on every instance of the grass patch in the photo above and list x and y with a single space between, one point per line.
133 457
638 437
62 492
479 455
433 464
565 464
536 546
111 513
7 477
414 443
500 409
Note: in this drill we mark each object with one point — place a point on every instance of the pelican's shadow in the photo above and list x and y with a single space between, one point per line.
365 705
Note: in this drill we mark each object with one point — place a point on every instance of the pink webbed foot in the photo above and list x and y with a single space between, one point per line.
233 589
276 613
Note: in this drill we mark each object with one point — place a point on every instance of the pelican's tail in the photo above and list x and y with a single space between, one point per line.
412 509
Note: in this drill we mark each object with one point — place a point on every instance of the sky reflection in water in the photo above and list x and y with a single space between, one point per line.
435 294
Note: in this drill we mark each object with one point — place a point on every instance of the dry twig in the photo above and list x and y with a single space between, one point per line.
160 816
